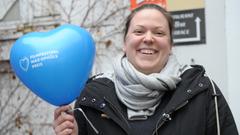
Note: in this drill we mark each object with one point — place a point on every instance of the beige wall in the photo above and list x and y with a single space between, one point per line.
174 5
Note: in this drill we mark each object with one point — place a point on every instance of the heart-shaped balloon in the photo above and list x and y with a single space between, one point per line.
55 65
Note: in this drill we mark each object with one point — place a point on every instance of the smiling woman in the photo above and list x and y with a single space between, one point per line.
149 92
148 41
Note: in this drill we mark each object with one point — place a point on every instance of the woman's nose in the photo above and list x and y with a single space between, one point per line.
148 38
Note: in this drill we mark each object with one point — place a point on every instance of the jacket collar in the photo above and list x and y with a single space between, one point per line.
100 95
193 82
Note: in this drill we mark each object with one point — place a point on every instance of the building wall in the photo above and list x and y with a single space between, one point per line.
220 54
233 35
21 111
212 55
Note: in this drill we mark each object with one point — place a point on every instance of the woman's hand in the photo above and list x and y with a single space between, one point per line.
64 123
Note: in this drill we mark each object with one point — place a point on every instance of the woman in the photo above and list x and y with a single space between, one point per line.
149 91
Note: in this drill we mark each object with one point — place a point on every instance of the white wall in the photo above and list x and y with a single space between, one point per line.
212 55
233 55
220 55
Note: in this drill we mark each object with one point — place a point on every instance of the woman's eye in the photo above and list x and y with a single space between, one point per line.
138 32
159 33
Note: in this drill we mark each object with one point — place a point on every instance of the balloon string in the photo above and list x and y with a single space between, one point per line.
85 116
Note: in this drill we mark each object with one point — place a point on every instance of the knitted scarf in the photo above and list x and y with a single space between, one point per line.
142 93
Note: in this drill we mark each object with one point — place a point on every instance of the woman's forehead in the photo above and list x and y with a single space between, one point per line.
147 15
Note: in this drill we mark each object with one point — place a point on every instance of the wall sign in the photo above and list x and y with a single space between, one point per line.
189 27
189 21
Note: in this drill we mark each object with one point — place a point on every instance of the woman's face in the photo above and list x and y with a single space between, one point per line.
148 43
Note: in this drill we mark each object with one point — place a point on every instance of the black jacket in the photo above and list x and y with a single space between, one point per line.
188 110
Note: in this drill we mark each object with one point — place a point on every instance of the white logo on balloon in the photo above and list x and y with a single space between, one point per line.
37 60
24 64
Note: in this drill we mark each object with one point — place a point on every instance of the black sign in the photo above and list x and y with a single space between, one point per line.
189 27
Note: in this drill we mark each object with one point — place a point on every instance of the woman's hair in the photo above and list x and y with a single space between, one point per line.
150 6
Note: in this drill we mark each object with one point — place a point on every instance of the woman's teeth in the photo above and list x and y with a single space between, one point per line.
147 51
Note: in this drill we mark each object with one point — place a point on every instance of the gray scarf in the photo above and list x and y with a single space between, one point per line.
142 93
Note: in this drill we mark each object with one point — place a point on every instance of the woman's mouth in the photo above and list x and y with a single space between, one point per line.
147 51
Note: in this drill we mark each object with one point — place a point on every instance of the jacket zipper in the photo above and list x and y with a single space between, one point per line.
167 117
164 118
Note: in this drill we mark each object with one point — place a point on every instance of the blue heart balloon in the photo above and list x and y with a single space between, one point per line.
55 65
